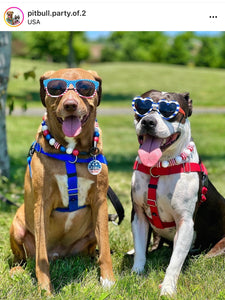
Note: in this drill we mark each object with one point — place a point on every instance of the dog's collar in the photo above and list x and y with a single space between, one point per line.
52 142
155 173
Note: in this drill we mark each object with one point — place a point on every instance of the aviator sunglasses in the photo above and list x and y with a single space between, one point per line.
57 87
167 109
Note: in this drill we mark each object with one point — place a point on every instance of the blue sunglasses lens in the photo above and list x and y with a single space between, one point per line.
142 106
167 109
85 88
56 87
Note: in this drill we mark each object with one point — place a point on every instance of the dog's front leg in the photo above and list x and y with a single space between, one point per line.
182 244
100 220
140 230
42 264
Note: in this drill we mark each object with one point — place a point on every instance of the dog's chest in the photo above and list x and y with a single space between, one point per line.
176 196
84 186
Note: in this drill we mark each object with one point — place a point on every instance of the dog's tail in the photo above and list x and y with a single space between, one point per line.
117 205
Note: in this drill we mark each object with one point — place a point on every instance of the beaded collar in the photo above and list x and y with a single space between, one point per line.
183 157
68 150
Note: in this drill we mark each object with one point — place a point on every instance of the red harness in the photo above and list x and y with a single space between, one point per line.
155 173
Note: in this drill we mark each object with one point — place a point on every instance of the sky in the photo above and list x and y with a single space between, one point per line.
93 35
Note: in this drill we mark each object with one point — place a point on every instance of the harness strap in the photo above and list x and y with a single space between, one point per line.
70 164
69 157
182 168
155 173
151 201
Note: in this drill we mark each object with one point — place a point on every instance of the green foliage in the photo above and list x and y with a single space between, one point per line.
135 46
181 50
53 46
186 48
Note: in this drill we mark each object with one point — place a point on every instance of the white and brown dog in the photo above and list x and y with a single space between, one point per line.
66 181
169 183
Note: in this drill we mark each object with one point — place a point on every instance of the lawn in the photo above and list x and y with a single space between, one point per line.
123 81
77 278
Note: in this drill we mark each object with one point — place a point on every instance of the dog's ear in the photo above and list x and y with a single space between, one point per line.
42 89
97 78
189 103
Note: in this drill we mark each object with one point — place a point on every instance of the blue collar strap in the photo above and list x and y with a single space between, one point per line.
69 157
70 164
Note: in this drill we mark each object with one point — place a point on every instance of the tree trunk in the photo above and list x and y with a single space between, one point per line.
5 56
71 55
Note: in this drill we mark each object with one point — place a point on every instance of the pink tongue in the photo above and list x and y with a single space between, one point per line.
149 151
71 126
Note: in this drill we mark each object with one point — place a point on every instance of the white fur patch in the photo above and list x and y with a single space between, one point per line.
83 188
84 185
62 184
71 142
106 283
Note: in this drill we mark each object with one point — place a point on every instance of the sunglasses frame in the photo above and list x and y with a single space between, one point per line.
68 82
156 107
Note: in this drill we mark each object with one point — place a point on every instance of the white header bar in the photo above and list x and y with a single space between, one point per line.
112 16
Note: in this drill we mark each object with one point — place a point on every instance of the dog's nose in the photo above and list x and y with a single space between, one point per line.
70 105
149 123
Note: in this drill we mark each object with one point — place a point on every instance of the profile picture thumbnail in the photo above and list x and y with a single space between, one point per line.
14 16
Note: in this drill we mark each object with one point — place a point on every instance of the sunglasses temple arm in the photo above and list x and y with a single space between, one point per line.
181 111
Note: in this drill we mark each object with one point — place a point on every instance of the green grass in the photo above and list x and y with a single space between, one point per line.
123 81
77 278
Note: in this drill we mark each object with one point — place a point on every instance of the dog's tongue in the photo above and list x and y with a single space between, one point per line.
150 151
71 126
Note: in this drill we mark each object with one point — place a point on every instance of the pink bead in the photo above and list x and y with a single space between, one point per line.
45 132
204 190
203 198
96 139
75 152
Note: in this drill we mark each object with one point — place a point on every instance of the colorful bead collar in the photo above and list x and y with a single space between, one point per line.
183 157
52 142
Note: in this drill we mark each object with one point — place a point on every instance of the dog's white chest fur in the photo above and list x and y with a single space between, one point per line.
84 185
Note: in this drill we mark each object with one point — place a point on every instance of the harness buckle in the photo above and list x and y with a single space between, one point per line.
150 171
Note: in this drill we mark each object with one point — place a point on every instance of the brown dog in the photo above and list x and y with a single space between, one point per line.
58 218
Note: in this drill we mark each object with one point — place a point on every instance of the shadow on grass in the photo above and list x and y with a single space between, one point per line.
107 97
155 260
121 162
30 96
66 271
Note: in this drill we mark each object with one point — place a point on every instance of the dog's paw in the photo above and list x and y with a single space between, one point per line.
15 271
106 283
138 267
167 290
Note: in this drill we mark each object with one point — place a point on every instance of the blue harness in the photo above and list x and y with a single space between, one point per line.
70 164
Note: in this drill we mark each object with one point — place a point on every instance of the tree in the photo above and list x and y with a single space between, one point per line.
209 53
136 46
5 55
53 46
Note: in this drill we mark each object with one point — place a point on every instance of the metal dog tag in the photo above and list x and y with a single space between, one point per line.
94 167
